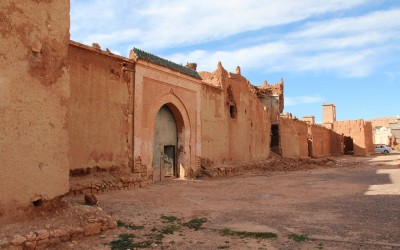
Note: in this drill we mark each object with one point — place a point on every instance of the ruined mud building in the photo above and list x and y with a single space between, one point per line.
75 118
357 134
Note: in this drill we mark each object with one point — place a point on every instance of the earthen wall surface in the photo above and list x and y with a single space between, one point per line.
214 140
369 145
382 121
325 142
235 126
293 138
337 146
360 131
310 120
320 137
100 113
34 93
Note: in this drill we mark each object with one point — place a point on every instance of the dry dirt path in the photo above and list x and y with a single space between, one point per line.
337 208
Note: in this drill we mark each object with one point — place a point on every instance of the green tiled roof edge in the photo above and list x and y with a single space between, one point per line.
163 62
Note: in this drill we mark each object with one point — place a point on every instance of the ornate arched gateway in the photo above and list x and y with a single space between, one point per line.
165 145
168 143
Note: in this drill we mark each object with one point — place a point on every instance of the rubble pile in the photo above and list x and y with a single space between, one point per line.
97 181
93 221
274 163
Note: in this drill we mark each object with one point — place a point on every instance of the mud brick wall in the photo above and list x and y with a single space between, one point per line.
235 126
293 138
360 131
369 145
382 121
337 147
325 142
100 108
34 93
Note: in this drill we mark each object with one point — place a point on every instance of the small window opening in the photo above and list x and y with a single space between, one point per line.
232 111
37 203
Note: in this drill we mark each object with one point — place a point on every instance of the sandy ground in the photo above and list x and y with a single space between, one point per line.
338 207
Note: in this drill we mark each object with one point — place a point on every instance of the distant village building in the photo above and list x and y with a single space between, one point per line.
357 134
395 129
386 131
382 135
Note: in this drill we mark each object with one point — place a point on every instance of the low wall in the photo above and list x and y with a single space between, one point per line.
361 133
324 142
293 138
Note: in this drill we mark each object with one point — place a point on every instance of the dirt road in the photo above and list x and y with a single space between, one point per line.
334 208
341 203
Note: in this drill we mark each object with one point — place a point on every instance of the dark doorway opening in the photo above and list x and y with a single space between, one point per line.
348 145
275 145
232 111
169 161
310 147
165 145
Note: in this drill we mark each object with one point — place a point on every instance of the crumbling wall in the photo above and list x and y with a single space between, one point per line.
337 143
271 97
360 131
325 142
369 145
293 138
34 94
100 115
235 126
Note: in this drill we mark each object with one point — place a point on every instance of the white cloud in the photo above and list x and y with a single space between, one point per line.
120 35
116 52
392 75
160 23
351 54
352 64
204 20
379 21
278 57
351 46
298 100
252 57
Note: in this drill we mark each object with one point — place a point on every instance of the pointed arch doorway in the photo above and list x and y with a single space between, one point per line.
166 144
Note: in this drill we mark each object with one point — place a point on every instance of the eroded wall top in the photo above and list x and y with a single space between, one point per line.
235 126
272 90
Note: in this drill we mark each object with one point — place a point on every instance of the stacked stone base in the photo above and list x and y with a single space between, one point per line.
96 180
42 239
94 187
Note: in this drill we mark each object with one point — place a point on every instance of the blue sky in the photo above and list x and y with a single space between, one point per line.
345 52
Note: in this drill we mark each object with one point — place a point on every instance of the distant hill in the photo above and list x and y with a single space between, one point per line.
382 121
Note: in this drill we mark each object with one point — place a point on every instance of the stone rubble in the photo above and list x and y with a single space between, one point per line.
274 164
124 183
42 239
